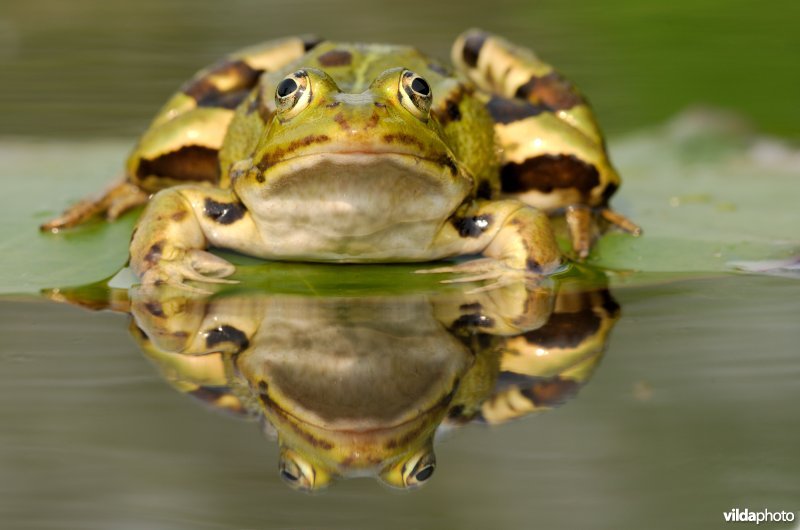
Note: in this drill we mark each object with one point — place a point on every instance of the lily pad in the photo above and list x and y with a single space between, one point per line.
706 189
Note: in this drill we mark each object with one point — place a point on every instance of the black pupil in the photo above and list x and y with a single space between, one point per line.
424 474
286 87
420 86
288 476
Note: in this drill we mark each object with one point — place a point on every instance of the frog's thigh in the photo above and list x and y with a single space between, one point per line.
180 222
201 376
513 73
184 149
516 235
538 377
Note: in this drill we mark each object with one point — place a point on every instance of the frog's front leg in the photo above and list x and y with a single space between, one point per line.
554 154
169 241
515 238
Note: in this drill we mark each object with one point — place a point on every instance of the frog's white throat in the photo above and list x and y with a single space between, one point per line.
336 205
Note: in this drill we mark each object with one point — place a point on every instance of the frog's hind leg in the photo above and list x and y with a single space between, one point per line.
543 368
183 143
553 153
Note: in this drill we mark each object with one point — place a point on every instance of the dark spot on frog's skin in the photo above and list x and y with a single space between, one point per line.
475 306
533 266
552 90
155 309
278 154
565 330
484 190
154 254
472 226
546 173
403 138
342 121
191 162
610 190
550 393
452 111
332 104
179 215
504 110
223 213
310 42
455 412
226 333
335 58
262 386
472 48
260 177
236 76
380 105
450 163
609 304
473 320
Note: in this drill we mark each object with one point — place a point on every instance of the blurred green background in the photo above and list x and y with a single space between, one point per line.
92 68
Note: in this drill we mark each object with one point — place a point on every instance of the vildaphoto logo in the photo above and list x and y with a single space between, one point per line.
763 516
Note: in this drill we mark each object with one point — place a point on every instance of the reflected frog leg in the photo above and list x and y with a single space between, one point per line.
516 240
183 141
540 369
201 377
553 153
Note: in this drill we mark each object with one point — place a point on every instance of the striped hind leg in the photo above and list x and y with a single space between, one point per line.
183 141
554 155
546 367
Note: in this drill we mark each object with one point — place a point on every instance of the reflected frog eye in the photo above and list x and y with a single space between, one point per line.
424 474
415 94
292 94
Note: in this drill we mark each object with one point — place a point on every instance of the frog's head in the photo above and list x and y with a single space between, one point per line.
373 149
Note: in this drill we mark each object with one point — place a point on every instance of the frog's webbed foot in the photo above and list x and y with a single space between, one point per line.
580 221
497 274
117 200
195 265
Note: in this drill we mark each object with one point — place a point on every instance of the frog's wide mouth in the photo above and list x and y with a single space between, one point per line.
438 166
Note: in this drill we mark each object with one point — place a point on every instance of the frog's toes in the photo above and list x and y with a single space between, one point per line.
194 264
484 269
620 221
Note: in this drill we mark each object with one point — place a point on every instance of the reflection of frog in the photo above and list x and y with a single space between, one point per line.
356 386
302 150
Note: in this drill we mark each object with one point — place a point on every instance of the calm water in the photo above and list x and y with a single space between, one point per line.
687 416
691 412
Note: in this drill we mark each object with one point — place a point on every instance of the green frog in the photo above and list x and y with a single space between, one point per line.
362 385
311 150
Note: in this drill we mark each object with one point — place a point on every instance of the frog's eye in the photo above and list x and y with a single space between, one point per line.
293 94
415 94
300 474
411 472
422 471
